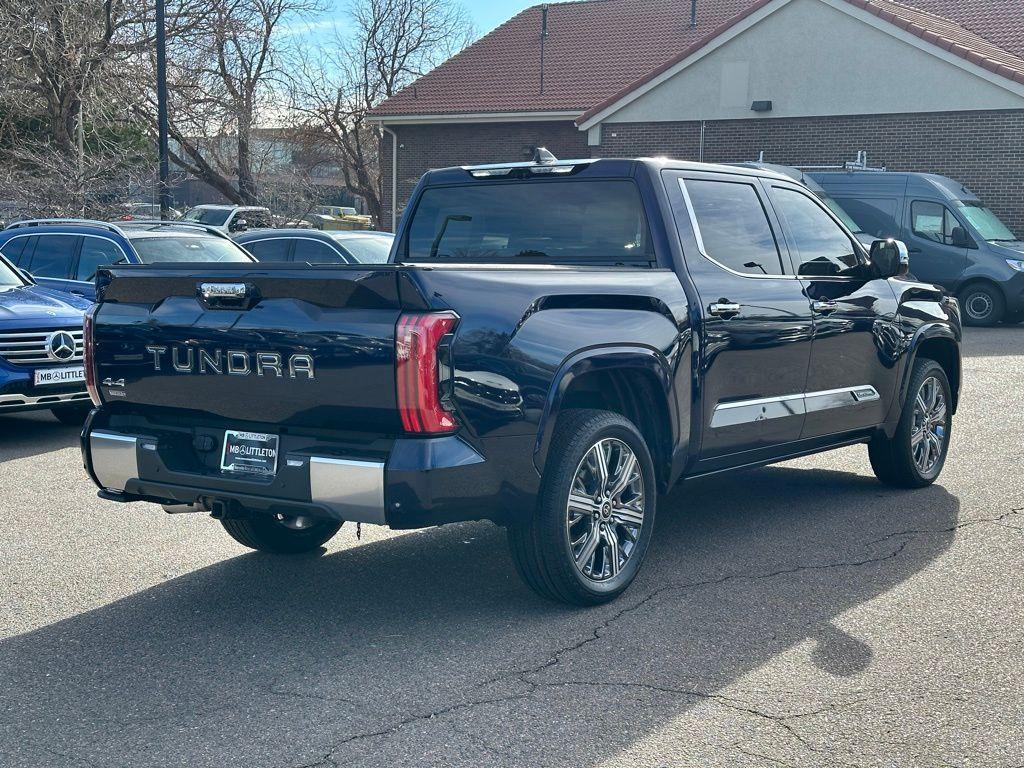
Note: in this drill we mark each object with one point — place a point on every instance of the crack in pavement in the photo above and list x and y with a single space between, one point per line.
522 675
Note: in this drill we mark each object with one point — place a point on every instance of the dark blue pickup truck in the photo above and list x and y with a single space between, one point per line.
552 345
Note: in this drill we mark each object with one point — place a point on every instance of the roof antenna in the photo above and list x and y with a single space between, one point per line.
543 38
542 156
693 14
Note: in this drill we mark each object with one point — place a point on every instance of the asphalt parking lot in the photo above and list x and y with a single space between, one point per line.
795 615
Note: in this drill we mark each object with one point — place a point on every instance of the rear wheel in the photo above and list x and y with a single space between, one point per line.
587 538
281 534
982 304
915 455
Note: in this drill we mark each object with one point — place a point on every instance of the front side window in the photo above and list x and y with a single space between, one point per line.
733 226
549 222
157 250
52 256
14 248
932 221
987 224
312 252
97 252
822 247
875 216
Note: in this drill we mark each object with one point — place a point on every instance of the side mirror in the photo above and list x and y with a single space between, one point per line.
239 225
960 238
890 258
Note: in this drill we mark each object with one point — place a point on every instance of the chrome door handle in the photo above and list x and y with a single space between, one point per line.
825 307
724 310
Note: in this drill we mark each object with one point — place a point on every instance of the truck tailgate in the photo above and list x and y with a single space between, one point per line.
304 348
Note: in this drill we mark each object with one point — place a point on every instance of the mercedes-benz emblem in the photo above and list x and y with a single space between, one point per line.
60 345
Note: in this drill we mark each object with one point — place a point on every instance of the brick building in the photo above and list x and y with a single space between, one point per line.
921 85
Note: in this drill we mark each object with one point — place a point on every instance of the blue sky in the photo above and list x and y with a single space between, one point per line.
487 14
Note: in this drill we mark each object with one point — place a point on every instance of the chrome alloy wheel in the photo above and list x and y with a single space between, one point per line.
930 427
606 509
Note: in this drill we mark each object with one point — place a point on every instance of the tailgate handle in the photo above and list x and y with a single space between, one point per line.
230 295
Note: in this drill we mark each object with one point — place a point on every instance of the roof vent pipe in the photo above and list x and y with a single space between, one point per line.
543 38
693 14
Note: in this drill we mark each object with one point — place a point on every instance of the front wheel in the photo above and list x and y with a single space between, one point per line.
982 304
587 538
914 456
281 534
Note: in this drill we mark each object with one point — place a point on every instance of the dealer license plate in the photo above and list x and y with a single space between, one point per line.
68 375
249 452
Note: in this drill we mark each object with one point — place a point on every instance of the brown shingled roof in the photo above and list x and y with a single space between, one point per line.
596 51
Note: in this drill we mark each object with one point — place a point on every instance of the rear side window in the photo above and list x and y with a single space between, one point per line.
932 221
97 252
733 226
875 216
550 222
269 250
822 246
52 256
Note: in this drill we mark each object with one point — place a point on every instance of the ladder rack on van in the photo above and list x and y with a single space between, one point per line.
860 164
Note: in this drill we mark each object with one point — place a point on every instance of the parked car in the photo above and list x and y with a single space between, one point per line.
41 348
64 254
339 217
554 345
230 218
145 212
955 240
315 247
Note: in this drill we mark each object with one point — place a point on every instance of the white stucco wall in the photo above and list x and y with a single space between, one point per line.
810 59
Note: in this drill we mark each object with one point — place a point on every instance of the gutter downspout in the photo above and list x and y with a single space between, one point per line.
394 177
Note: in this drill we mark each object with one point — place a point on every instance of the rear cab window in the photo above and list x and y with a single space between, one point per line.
565 222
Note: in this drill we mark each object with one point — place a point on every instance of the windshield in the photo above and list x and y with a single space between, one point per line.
156 250
843 216
367 250
8 277
986 222
213 216
551 222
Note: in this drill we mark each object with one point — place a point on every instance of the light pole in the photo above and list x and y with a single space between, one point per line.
161 108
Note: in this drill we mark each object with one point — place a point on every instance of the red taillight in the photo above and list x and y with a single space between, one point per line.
89 356
417 339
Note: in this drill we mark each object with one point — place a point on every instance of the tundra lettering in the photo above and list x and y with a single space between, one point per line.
184 360
550 347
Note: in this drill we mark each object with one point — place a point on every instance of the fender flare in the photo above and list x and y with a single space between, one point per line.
926 333
615 357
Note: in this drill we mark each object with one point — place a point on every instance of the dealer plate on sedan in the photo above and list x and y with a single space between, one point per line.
249 452
71 374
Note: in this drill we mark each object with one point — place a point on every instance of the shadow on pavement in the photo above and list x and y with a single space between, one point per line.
30 434
426 649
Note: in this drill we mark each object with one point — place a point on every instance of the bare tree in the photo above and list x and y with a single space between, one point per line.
395 42
224 80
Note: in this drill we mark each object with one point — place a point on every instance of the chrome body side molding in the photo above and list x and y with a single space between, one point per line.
762 409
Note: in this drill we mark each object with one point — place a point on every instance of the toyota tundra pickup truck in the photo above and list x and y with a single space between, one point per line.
551 346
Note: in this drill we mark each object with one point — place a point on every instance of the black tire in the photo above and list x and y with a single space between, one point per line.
982 304
541 545
266 533
72 415
893 459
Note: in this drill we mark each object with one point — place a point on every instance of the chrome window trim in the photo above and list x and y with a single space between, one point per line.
765 408
700 240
